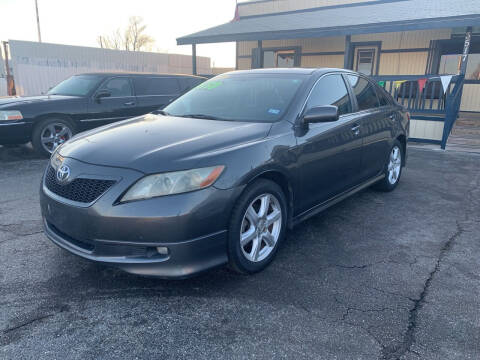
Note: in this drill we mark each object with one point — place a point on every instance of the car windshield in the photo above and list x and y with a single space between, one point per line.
252 97
79 85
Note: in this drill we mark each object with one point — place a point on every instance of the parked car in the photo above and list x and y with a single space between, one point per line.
220 174
83 102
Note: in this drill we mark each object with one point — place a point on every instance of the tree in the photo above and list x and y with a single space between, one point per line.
133 38
113 41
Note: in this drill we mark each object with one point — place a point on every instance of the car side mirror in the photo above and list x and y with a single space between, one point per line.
326 113
102 94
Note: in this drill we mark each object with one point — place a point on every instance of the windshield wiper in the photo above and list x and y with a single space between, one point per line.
202 116
160 112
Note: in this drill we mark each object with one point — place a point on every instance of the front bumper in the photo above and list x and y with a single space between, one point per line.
182 260
15 132
192 226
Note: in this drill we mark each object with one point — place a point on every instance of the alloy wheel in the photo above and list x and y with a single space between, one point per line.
394 165
54 135
260 227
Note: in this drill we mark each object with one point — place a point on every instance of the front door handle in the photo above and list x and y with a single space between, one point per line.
356 129
130 103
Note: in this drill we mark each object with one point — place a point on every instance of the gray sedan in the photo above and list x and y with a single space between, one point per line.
222 172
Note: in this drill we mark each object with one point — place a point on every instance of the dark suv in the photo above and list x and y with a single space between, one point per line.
83 102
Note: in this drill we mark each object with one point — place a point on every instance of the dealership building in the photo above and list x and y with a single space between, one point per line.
408 46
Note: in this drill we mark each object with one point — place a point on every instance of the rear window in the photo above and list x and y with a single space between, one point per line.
156 86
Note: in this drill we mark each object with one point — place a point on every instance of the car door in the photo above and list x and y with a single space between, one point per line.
375 124
113 101
329 153
155 92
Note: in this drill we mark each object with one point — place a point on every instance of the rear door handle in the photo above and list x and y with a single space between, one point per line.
356 129
130 103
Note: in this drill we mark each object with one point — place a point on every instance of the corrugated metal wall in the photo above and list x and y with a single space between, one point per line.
3 76
470 97
39 66
423 129
391 63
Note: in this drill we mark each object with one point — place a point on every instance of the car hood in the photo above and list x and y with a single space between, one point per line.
154 143
24 100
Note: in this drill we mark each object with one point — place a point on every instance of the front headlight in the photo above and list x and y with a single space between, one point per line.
56 159
173 183
11 115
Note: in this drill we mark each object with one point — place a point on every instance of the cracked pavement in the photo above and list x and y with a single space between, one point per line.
378 276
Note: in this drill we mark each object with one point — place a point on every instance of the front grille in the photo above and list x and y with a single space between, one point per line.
80 189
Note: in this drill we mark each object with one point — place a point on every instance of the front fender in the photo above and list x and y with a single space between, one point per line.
272 154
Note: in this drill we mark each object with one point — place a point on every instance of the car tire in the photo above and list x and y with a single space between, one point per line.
393 168
48 127
253 241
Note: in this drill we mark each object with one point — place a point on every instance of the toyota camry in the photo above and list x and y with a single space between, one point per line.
221 173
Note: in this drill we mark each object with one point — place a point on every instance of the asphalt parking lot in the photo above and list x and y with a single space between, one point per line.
378 276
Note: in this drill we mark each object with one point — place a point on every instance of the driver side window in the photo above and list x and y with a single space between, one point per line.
118 87
331 90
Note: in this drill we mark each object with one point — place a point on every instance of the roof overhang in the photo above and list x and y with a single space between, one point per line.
378 18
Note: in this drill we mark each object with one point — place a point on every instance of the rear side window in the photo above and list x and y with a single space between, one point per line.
118 87
364 92
382 97
156 86
330 90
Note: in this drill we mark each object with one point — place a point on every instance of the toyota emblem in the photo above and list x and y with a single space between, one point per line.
63 173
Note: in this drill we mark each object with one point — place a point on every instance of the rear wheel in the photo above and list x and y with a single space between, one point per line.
51 133
393 169
257 227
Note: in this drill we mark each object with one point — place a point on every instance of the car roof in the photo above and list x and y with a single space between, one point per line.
304 71
105 74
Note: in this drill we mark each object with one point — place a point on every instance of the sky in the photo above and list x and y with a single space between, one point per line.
79 22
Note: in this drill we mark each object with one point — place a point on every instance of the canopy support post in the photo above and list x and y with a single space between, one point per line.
194 59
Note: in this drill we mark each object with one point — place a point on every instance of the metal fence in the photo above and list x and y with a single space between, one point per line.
430 102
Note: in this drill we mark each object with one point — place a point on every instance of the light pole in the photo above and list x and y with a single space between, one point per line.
38 22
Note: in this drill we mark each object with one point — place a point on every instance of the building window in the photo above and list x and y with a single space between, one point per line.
279 58
365 61
450 64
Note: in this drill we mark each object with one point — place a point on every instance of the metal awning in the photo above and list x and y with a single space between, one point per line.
379 17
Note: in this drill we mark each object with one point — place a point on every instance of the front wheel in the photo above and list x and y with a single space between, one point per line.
393 169
257 227
51 133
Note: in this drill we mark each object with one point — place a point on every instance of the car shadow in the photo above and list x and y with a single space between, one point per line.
295 278
10 153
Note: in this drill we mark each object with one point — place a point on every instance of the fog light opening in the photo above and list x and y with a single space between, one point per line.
162 250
